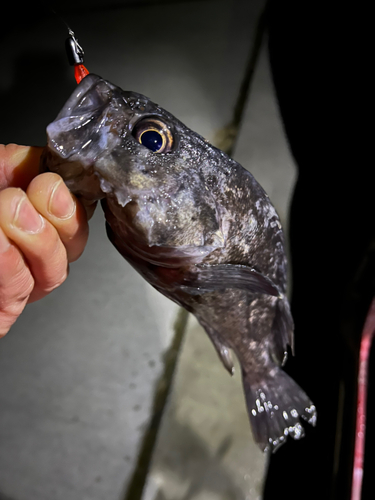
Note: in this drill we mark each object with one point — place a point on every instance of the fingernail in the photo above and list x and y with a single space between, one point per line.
4 242
26 217
61 203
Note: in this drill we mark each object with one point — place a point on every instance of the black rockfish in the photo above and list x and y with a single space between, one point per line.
197 226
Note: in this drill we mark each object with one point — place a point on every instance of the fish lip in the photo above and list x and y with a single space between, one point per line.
83 88
74 127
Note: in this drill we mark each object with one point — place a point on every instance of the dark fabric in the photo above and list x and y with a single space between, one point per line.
314 53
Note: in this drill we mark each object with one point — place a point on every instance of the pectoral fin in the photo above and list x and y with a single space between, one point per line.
222 276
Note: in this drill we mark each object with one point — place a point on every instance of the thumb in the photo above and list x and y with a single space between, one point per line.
18 165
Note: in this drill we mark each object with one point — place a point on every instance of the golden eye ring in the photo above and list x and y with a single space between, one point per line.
154 134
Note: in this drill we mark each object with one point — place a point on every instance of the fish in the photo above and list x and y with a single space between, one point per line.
198 227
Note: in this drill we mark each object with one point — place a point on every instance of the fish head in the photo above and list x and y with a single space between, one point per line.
151 170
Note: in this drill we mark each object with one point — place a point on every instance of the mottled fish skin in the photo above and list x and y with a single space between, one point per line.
199 228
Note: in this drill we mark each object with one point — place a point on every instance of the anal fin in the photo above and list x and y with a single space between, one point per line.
223 351
226 357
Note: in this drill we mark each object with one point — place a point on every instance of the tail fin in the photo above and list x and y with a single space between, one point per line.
275 405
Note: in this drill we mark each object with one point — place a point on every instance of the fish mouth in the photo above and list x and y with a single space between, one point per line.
85 98
83 120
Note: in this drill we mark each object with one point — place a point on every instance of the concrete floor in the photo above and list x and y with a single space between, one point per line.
79 369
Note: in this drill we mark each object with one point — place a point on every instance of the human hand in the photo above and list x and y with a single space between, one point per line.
43 228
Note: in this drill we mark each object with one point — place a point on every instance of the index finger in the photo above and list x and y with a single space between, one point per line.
18 165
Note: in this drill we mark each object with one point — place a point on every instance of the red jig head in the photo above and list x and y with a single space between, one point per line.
75 55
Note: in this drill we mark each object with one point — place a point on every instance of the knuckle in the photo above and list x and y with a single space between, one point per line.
57 281
75 254
13 295
76 245
6 322
3 330
11 308
9 315
49 269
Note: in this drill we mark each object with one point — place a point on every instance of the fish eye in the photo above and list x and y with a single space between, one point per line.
154 135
